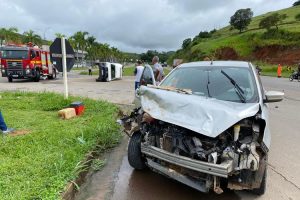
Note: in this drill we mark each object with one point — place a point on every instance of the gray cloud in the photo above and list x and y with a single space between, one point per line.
131 25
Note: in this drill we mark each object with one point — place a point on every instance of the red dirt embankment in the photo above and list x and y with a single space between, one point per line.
270 54
278 54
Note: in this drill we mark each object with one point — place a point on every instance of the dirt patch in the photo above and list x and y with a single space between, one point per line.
227 53
19 132
278 54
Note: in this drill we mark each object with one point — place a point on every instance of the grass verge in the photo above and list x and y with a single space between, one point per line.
271 70
40 164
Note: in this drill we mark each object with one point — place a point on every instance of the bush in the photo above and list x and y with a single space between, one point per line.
281 34
272 20
297 3
297 17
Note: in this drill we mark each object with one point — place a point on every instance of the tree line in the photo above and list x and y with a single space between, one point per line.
80 40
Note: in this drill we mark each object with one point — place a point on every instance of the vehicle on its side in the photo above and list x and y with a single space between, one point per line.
26 62
205 125
109 71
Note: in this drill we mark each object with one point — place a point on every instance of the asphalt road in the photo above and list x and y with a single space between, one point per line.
121 92
118 181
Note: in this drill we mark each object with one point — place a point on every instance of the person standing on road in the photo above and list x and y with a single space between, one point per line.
157 69
3 126
138 74
90 70
279 69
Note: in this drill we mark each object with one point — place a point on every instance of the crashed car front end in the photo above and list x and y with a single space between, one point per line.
205 143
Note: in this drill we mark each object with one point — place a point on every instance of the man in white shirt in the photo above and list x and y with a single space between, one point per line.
138 74
157 69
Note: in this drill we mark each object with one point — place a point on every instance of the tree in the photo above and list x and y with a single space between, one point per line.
79 41
204 34
272 20
297 17
297 3
241 19
186 43
30 36
60 35
9 35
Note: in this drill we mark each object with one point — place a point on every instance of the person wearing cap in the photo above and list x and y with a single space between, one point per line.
3 126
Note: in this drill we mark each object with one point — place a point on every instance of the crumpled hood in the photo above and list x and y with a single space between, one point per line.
203 115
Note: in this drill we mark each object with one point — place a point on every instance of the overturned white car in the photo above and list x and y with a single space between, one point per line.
206 125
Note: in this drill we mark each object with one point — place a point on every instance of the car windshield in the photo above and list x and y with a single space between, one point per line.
14 54
234 84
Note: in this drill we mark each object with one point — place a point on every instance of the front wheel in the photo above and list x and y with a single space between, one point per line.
135 158
10 79
53 76
37 76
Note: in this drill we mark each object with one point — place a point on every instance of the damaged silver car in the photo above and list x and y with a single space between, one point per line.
205 125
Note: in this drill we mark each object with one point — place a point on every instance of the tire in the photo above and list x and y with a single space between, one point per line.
53 76
291 77
10 79
37 76
262 189
135 158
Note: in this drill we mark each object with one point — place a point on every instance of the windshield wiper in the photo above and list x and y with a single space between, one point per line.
237 88
207 85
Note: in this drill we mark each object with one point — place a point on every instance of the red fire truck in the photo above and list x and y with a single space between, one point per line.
26 62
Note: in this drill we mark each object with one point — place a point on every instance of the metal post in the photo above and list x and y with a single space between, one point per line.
64 63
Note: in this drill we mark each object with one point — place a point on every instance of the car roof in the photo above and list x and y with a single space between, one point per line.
242 64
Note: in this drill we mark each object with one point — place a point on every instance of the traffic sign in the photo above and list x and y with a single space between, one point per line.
56 54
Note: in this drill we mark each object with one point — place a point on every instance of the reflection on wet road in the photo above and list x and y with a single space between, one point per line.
147 185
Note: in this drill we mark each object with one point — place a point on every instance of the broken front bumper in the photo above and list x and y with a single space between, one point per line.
220 170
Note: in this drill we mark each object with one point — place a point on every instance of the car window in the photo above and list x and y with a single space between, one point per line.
211 82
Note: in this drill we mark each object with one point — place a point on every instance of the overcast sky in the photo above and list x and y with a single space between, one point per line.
130 25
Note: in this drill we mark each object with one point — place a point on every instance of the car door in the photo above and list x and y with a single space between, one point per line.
147 77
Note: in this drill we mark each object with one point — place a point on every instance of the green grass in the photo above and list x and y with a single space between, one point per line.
271 70
40 164
79 68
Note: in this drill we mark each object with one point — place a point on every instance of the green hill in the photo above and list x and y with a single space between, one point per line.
254 44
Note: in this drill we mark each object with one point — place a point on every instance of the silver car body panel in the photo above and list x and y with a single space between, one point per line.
207 116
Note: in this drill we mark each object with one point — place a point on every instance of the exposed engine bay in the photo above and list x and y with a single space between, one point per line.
235 159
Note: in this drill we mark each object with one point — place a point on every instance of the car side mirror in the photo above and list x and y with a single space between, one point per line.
273 96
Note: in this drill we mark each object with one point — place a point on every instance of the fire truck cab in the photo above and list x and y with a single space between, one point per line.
26 62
